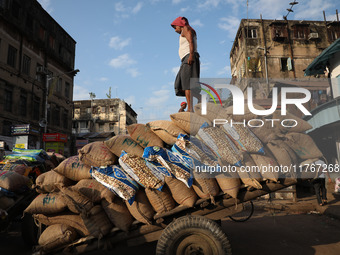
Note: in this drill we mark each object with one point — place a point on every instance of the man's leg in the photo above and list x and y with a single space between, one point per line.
189 100
316 185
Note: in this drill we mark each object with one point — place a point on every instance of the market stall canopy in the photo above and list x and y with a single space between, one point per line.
318 66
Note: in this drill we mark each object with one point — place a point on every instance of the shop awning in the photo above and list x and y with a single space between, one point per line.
318 66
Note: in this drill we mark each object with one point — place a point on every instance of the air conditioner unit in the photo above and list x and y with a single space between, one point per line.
40 69
313 36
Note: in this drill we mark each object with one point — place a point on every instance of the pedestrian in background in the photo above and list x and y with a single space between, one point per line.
183 106
319 182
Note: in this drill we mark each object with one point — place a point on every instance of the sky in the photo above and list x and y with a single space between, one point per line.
130 47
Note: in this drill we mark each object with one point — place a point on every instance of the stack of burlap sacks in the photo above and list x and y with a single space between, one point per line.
72 204
16 177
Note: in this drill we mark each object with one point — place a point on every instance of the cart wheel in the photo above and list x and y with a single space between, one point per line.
245 214
193 235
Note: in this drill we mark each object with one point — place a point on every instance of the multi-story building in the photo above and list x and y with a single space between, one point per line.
102 116
272 50
36 70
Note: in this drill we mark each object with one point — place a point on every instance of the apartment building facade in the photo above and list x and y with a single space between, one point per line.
102 116
36 70
267 50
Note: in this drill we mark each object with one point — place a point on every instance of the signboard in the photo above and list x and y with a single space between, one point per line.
24 129
57 147
55 137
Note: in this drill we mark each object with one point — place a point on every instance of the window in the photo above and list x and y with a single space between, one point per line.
65 119
111 126
284 62
56 117
102 109
8 100
251 32
23 104
12 56
101 127
42 33
300 32
26 64
279 31
67 89
36 108
51 42
15 9
39 76
83 124
59 86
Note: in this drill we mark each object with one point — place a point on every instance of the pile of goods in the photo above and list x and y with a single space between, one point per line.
158 166
19 170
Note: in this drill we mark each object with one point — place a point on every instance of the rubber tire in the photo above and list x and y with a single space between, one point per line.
193 235
29 231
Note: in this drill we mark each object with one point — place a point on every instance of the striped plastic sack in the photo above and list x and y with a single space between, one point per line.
114 178
180 166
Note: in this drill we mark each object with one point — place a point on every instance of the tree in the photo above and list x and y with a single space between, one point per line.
109 95
92 95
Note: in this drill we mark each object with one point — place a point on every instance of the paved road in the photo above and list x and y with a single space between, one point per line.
265 233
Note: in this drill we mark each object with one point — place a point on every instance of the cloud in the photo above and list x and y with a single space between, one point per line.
159 97
46 4
176 1
209 3
133 72
118 43
80 93
103 79
225 71
196 23
122 61
130 100
137 8
175 70
229 24
125 12
311 10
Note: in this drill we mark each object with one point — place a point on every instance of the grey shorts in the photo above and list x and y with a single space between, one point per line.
186 72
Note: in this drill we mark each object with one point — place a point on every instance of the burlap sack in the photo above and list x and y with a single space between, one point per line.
166 130
303 145
93 190
205 187
144 136
6 202
13 181
302 125
76 202
248 115
161 201
188 121
180 192
97 154
247 179
70 219
46 204
74 169
283 154
267 132
53 158
230 186
249 164
267 166
141 208
51 181
57 235
213 110
118 213
120 143
97 222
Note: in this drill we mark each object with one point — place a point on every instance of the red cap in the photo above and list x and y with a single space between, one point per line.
178 22
183 103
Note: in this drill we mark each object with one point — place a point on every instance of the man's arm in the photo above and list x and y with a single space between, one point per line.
187 33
